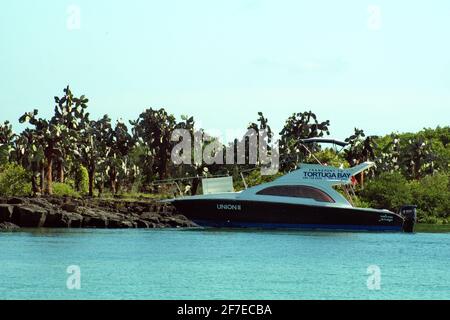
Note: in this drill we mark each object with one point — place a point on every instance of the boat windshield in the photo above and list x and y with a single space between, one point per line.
347 192
297 192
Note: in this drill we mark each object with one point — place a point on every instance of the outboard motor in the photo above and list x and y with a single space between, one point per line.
409 215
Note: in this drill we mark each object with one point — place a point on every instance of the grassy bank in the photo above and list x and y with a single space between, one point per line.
432 228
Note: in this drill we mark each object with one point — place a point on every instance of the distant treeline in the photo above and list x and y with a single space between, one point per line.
71 153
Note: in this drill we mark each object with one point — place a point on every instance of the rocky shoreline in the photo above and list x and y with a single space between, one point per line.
55 212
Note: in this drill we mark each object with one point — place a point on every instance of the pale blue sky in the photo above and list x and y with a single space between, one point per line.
223 61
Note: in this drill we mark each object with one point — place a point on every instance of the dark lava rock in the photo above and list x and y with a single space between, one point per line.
95 222
76 221
56 212
63 220
150 216
15 201
143 224
8 226
29 216
41 202
175 222
69 207
55 220
55 200
120 224
6 211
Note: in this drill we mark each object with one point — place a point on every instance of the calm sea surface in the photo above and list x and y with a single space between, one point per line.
209 264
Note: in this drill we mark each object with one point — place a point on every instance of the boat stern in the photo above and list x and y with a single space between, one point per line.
409 214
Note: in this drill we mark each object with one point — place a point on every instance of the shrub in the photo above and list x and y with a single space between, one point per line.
388 191
81 180
432 196
360 203
14 181
427 219
64 189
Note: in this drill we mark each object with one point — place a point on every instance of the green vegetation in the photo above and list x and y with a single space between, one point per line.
431 194
388 190
426 227
64 190
14 181
81 180
71 154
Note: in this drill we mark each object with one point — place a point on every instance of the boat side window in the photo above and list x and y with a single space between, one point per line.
297 192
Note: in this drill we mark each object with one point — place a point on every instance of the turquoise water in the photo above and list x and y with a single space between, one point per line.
208 264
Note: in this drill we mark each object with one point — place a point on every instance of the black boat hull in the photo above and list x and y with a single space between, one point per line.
269 215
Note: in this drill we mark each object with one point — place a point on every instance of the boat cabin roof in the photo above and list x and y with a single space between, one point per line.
323 175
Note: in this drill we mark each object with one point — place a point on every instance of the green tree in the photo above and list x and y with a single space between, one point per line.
388 153
360 149
432 195
331 157
30 154
120 144
418 158
388 191
262 125
303 125
7 137
60 133
92 147
153 130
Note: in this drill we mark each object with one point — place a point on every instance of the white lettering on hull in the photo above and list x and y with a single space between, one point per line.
386 218
232 207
